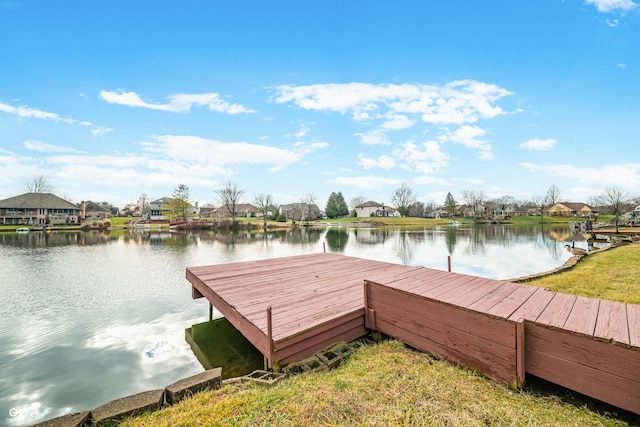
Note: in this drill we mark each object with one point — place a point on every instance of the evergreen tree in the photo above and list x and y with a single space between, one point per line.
336 206
450 204
180 203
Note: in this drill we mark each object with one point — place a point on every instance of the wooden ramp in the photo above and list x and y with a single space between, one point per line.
292 307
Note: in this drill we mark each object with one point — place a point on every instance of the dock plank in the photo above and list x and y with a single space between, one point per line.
612 323
633 317
583 316
533 306
558 310
507 306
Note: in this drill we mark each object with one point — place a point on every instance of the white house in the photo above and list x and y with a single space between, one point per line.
160 209
371 208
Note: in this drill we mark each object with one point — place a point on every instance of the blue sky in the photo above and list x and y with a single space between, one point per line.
110 100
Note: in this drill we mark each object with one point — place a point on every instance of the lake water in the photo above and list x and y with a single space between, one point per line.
88 317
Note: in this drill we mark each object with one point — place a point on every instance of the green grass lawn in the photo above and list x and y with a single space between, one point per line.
613 274
385 384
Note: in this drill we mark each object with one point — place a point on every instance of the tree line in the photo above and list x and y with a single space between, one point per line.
614 200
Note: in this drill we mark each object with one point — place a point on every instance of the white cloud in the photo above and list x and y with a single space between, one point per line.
469 137
304 129
180 103
384 162
538 144
612 22
365 182
44 147
374 137
625 175
621 66
195 150
612 5
463 101
398 122
22 111
101 131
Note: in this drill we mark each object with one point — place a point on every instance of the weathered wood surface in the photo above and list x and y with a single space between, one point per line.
318 299
314 299
466 337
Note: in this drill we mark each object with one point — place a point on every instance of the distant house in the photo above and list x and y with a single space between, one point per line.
571 209
301 211
372 208
162 209
243 210
467 211
38 209
92 210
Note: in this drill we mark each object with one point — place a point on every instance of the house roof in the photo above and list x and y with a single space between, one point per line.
37 201
574 206
93 206
370 204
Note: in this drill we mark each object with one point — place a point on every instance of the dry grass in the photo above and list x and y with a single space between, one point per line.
613 275
384 384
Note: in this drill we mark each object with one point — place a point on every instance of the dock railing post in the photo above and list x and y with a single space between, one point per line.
449 263
270 338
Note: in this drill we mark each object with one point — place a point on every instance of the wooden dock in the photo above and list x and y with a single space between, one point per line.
292 307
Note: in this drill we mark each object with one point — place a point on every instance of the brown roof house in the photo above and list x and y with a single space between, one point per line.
38 209
571 209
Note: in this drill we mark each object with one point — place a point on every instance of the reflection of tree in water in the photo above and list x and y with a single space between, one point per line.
451 237
403 249
337 238
303 235
409 240
546 240
371 236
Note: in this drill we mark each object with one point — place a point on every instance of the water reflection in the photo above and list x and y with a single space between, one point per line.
92 316
217 343
337 238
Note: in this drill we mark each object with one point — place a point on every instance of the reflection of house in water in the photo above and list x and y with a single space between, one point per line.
371 236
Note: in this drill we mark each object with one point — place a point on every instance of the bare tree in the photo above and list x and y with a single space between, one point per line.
356 201
416 209
308 201
616 200
264 202
39 184
553 195
143 204
539 204
474 199
230 196
402 198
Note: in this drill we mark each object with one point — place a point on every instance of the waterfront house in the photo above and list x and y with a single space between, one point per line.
571 209
163 209
93 211
38 209
243 210
372 208
301 211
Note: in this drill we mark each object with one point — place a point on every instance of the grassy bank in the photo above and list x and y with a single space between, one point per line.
382 384
611 274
